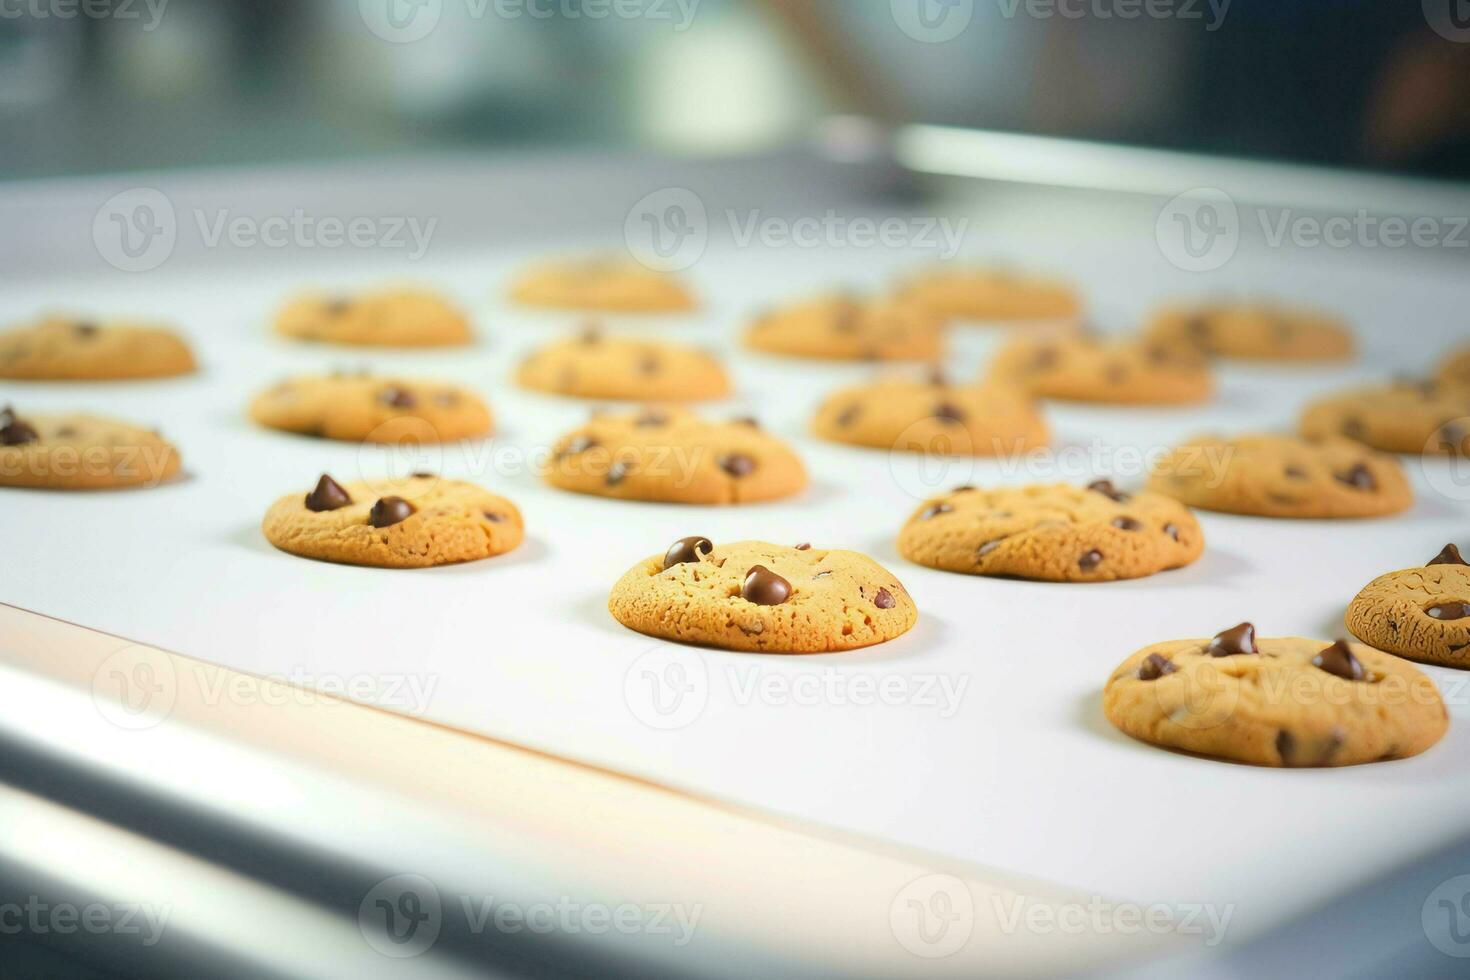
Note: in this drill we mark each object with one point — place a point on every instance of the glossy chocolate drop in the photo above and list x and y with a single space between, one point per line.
1234 641
328 495
686 550
764 587
1339 661
389 511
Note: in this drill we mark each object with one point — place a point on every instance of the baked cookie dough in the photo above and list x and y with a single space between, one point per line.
410 523
1455 368
80 452
1406 417
607 284
1419 613
1255 331
849 328
1090 369
761 597
364 408
671 455
384 318
1275 702
1281 476
932 417
990 294
1055 533
594 364
75 349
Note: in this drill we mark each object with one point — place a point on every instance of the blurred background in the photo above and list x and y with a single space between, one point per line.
90 86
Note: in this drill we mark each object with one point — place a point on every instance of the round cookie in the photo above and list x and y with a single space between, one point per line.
1455 368
1056 533
990 294
605 284
761 597
1419 613
363 408
1281 476
932 417
385 318
72 349
411 523
1088 369
1275 702
672 455
1406 417
593 364
81 452
847 328
1255 331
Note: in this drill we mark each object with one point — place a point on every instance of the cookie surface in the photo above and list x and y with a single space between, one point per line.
750 595
672 455
1089 369
410 523
1292 702
606 284
1419 613
1055 533
991 294
1255 331
81 452
849 328
70 349
1281 476
935 418
358 408
1424 417
384 318
594 364
1454 369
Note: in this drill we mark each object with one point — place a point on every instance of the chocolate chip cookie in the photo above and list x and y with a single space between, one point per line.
607 284
364 408
1276 702
594 364
932 417
1055 533
81 452
74 349
1255 331
411 523
769 598
1426 417
385 318
850 328
1281 476
991 294
1419 613
1091 369
672 455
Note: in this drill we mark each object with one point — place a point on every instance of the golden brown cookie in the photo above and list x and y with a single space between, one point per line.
363 408
932 417
1455 368
1289 701
397 317
594 364
991 294
1281 476
1255 331
59 348
1405 417
1091 369
1055 533
848 328
607 284
1419 613
81 452
411 523
670 454
769 598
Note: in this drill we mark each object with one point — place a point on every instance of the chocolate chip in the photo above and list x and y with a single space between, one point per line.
963 488
1339 661
1448 610
934 510
1353 428
1090 560
849 415
328 495
804 546
492 516
649 420
1116 373
737 464
845 316
1359 478
617 472
648 364
936 377
14 432
66 432
1155 666
1452 438
883 599
945 412
397 397
1044 358
1296 473
686 550
423 475
1126 524
1172 531
988 547
1285 746
591 334
1199 327
1234 641
336 307
1449 555
85 329
389 511
748 420
1106 488
764 587
578 444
